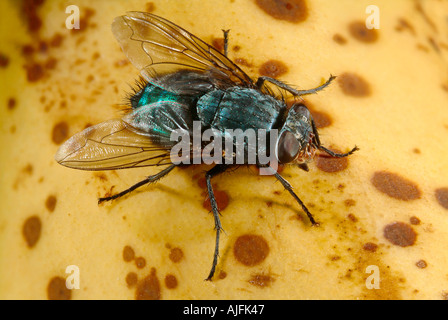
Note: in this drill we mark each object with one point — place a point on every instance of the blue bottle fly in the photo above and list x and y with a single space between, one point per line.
188 81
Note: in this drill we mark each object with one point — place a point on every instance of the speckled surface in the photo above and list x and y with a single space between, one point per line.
385 206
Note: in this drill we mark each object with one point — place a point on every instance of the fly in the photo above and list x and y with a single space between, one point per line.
187 80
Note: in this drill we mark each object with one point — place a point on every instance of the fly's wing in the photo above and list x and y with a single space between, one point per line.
112 144
158 47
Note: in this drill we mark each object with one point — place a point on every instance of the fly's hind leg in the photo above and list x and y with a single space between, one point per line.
295 92
218 169
226 41
150 179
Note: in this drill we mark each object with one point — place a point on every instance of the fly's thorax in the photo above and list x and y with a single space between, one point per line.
296 135
244 119
238 108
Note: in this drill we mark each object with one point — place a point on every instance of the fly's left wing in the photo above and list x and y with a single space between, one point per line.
158 47
112 144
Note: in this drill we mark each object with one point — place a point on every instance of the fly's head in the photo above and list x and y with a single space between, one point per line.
296 138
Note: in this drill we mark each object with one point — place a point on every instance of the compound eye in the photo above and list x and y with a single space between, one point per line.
301 109
287 147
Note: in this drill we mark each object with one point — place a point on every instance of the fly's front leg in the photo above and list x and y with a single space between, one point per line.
150 179
295 92
338 155
218 169
288 187
319 146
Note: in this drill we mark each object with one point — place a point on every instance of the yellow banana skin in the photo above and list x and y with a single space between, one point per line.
382 213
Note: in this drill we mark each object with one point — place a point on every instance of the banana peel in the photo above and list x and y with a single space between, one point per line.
383 211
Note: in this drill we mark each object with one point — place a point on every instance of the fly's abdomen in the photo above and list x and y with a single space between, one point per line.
151 94
159 112
238 108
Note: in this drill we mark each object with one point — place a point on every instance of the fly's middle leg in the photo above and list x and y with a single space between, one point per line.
218 169
295 92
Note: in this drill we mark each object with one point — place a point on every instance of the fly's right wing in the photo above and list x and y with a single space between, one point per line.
112 144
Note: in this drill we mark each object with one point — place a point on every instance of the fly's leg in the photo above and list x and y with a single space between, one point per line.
218 169
150 179
226 41
321 147
295 92
338 155
288 187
